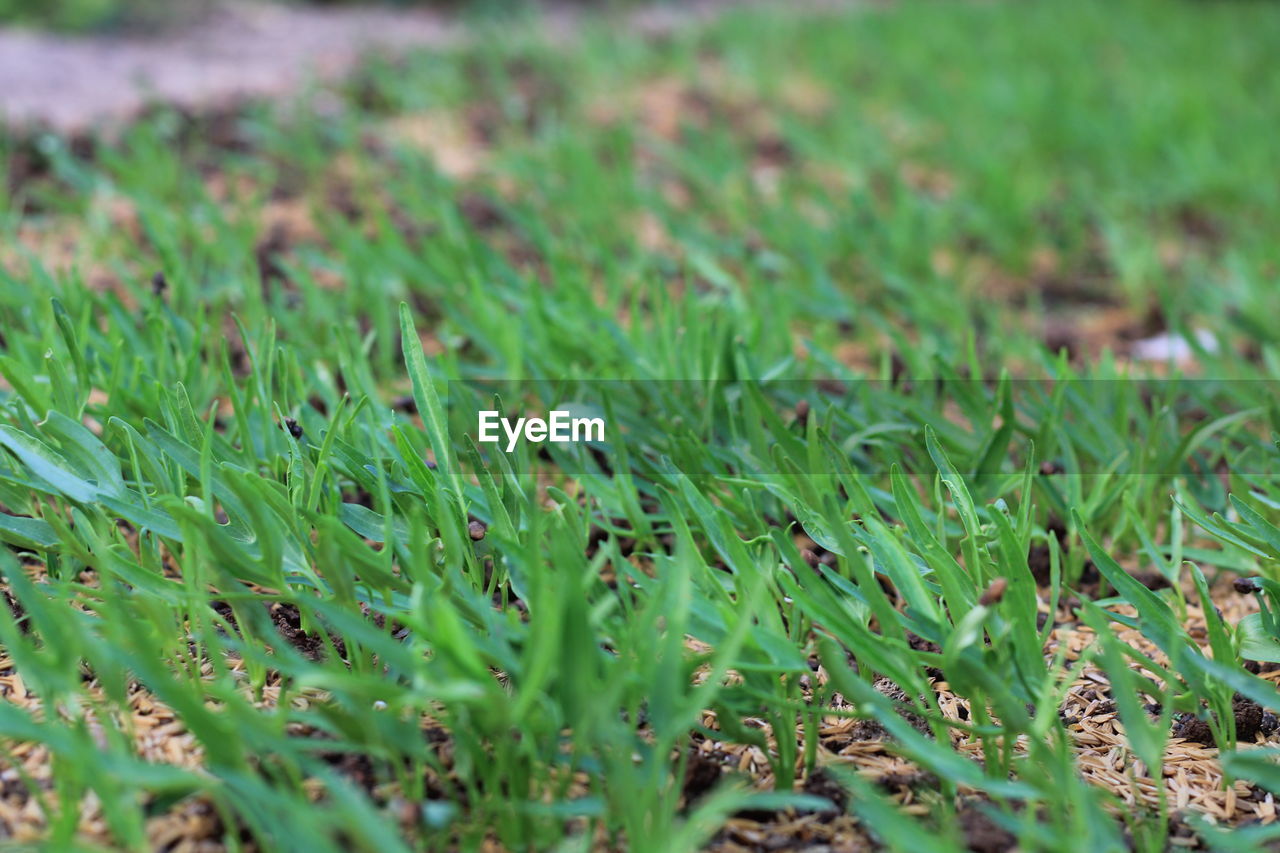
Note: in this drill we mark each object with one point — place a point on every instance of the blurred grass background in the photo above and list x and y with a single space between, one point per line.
80 16
95 15
90 16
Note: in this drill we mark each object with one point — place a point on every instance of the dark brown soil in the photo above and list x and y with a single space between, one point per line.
910 780
1260 666
920 644
864 730
981 833
820 783
1249 716
268 254
1152 579
358 767
1193 729
481 212
1248 719
288 622
1090 577
224 610
897 694
701 774
1038 560
18 611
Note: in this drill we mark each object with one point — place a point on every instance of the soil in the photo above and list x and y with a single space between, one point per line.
1039 561
358 767
288 622
981 833
890 689
701 774
821 783
18 612
1249 718
920 644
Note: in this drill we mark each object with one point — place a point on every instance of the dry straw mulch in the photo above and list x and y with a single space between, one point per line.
1192 777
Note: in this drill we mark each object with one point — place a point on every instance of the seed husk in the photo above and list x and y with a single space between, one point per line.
994 592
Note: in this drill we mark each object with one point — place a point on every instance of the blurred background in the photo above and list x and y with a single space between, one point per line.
68 65
1079 176
124 15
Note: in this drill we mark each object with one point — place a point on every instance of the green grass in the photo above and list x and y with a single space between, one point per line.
78 16
909 192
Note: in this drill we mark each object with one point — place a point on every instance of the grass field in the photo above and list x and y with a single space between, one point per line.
938 506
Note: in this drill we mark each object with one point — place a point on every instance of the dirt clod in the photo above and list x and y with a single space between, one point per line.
356 766
890 689
1193 729
981 833
700 775
18 612
1039 561
1249 718
1246 586
1152 579
288 623
821 783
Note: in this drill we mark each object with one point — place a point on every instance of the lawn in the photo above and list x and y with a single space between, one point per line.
937 504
